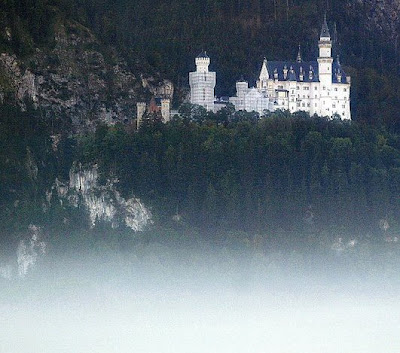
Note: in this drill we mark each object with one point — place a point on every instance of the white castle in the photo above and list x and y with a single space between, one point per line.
318 87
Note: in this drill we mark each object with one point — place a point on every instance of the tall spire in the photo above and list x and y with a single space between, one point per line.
264 75
299 59
325 29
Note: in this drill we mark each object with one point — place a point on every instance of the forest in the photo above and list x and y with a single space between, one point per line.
231 171
281 173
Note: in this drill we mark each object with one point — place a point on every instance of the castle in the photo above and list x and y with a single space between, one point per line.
157 105
318 87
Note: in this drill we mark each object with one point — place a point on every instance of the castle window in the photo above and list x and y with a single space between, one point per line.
297 87
334 105
316 96
345 89
335 88
303 104
315 104
324 88
343 106
308 104
315 87
298 104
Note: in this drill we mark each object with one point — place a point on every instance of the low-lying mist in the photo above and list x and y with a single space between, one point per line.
155 296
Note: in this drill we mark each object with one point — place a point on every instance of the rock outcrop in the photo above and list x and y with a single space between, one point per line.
77 79
31 248
102 203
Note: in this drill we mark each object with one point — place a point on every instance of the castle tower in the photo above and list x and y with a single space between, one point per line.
299 58
325 59
202 83
242 88
262 84
140 111
165 110
325 62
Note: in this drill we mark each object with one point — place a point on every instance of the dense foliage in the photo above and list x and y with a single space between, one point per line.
29 164
236 171
285 177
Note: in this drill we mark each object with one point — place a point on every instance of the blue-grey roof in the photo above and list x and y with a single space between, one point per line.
325 30
280 65
305 66
203 54
337 69
291 75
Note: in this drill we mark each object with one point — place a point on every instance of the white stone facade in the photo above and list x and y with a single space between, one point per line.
202 83
156 106
318 87
166 110
250 99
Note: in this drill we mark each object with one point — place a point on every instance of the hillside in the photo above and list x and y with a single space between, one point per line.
86 60
63 69
70 161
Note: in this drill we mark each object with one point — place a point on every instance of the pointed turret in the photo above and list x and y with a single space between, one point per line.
325 35
292 75
299 58
338 72
264 74
262 82
325 59
203 55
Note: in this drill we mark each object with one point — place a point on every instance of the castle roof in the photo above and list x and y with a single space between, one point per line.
294 69
203 55
278 67
292 75
325 29
299 58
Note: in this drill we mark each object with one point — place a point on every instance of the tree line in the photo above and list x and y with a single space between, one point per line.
237 171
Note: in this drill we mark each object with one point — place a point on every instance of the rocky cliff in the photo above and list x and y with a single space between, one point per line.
101 202
77 79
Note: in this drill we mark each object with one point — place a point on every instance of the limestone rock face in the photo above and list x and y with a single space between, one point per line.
30 249
102 203
78 80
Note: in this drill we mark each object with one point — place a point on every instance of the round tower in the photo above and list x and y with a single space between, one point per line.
202 62
202 83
